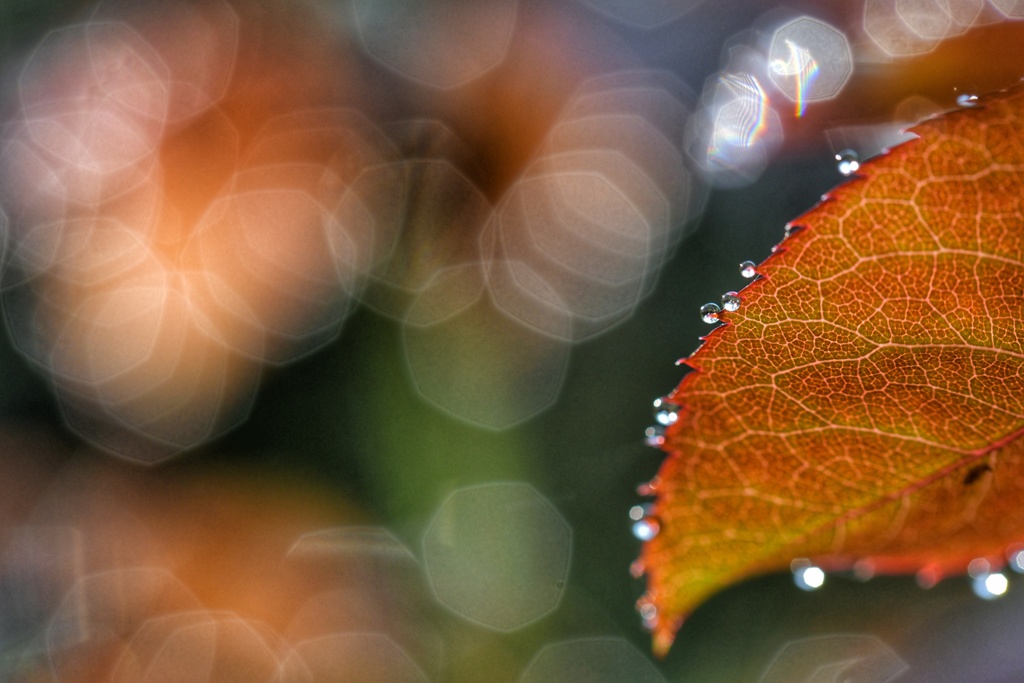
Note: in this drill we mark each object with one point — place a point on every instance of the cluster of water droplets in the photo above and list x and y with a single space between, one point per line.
645 526
666 413
987 580
711 312
648 612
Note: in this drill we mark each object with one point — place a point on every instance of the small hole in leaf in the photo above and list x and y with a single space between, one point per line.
974 474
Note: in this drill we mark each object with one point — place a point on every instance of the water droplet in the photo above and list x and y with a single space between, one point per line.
863 570
665 411
978 568
849 162
637 569
646 529
1015 558
648 488
927 577
648 612
638 512
990 586
966 100
709 313
731 301
655 436
806 576
748 269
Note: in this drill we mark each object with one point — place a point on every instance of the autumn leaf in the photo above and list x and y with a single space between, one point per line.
863 405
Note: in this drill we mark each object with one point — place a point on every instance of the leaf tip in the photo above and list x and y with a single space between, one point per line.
664 635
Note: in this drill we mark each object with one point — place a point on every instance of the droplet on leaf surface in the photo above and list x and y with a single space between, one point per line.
748 269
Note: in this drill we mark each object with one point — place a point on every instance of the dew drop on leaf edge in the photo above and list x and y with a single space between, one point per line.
1015 558
648 613
748 269
927 577
648 488
863 570
654 436
990 586
665 411
638 512
967 100
806 576
978 567
731 301
849 162
646 529
709 313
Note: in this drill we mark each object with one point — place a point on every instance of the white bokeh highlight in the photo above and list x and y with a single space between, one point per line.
644 14
200 646
442 44
474 361
350 657
735 131
498 555
1011 8
595 660
587 227
161 254
848 657
829 68
902 28
101 613
428 213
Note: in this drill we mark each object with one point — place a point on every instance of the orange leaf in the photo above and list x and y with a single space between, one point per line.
863 405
